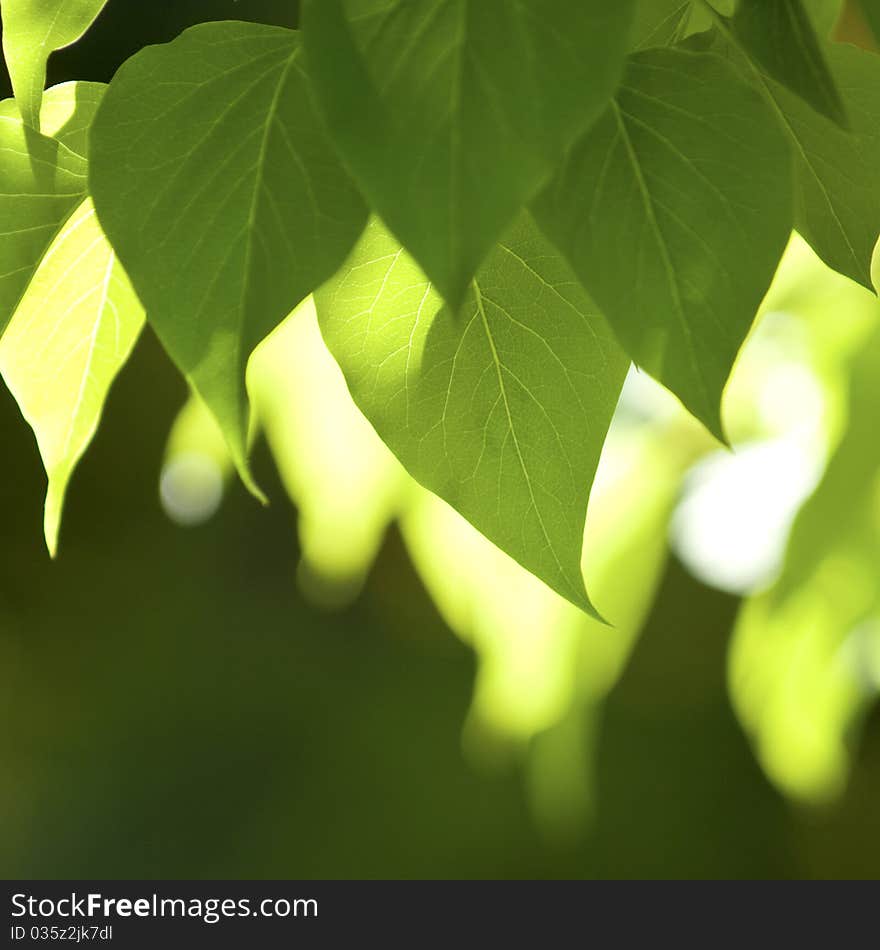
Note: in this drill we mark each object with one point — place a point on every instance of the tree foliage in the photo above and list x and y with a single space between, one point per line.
496 205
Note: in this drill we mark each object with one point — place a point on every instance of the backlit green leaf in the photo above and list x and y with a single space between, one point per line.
41 182
451 113
70 335
215 182
501 408
67 113
76 323
32 29
674 210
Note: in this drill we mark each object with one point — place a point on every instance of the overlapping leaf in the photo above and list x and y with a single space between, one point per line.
837 195
42 182
871 10
674 210
76 323
837 188
32 30
215 182
501 408
70 335
778 36
659 22
451 113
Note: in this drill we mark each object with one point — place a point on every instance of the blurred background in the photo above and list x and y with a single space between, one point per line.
352 683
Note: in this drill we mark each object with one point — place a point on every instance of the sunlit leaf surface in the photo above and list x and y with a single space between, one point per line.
32 30
70 335
75 325
502 408
451 113
42 183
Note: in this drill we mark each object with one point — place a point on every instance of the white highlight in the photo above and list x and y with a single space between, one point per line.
732 525
190 488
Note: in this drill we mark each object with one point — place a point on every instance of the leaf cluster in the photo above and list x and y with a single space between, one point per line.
498 206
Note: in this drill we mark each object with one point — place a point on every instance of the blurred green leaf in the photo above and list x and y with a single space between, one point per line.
32 30
346 484
451 113
802 665
842 510
625 553
871 11
674 210
530 687
215 182
501 408
823 15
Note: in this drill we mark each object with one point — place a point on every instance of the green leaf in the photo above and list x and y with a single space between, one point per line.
76 322
32 29
68 111
216 184
451 113
778 37
674 210
659 23
837 186
41 183
70 335
823 15
871 11
837 190
501 408
796 696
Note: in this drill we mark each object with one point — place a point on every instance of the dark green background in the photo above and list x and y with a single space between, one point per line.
172 707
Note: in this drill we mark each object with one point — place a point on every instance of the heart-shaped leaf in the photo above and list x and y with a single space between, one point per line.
501 408
216 184
674 210
76 323
452 113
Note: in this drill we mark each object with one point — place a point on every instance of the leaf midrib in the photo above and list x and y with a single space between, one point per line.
512 429
651 214
789 129
252 211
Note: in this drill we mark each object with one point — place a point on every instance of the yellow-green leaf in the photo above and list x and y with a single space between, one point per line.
69 337
32 30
